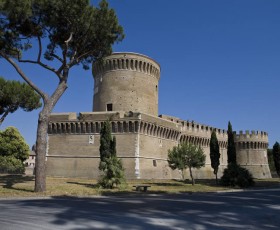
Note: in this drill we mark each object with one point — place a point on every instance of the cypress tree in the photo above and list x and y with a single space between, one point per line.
109 162
231 151
214 153
276 157
105 148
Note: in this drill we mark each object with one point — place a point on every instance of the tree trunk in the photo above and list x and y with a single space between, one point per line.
42 136
216 178
41 147
183 177
190 169
3 117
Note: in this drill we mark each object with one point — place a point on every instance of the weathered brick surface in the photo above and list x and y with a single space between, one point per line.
129 82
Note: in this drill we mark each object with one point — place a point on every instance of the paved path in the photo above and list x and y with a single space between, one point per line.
259 209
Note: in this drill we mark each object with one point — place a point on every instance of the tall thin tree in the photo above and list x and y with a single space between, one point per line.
276 157
231 150
215 154
109 162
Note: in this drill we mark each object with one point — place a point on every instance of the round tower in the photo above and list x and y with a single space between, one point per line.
126 82
251 152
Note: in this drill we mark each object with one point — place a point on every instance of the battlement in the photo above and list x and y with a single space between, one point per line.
197 129
253 136
128 62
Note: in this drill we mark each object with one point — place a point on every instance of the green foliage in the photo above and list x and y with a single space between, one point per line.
12 144
231 151
235 175
276 157
271 161
214 153
106 142
15 95
113 171
184 156
89 30
11 165
66 32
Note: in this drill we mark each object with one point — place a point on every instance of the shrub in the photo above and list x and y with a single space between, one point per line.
11 165
113 173
235 175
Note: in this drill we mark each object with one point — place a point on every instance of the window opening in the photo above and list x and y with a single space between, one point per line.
109 107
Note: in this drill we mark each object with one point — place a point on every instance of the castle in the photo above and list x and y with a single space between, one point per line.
126 93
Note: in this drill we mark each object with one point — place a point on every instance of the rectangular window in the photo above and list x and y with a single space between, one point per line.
109 107
155 163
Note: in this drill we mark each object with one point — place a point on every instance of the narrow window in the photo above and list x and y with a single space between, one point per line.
109 107
155 163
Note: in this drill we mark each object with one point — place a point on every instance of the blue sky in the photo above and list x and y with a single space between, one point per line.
220 61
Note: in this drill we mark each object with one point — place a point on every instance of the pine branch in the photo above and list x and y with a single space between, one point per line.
43 95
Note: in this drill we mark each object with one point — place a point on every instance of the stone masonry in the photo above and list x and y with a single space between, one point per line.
126 93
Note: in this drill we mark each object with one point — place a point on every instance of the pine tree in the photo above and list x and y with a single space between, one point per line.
184 156
214 153
231 151
15 95
109 162
54 36
276 157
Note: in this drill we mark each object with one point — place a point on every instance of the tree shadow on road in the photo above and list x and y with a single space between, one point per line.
231 210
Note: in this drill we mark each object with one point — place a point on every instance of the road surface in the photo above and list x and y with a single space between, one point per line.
256 209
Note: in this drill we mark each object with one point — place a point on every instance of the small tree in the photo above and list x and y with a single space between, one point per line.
214 153
15 95
12 144
231 151
13 151
276 157
184 156
109 163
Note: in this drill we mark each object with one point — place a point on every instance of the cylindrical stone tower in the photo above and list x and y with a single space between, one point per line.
251 152
126 82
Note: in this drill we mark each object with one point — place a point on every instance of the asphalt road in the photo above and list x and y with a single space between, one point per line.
258 209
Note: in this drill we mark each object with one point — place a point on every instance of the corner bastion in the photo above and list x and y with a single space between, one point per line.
126 94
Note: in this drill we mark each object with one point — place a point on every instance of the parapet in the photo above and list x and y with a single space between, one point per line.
63 117
253 136
129 62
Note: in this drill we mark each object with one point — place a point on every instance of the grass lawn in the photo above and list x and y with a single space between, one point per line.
22 186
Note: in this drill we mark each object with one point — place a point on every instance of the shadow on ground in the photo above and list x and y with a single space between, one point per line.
239 210
8 181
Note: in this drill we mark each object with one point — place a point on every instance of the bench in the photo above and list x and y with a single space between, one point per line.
143 188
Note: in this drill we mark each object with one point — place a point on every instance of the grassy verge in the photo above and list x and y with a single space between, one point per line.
22 186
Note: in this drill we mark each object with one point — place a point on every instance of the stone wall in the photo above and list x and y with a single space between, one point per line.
126 93
126 82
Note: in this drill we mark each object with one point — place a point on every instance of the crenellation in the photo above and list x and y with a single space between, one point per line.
128 62
251 136
126 94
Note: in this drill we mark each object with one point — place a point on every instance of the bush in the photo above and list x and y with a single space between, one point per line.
113 173
11 165
235 175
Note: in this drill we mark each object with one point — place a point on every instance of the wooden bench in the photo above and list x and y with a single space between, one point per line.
141 187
